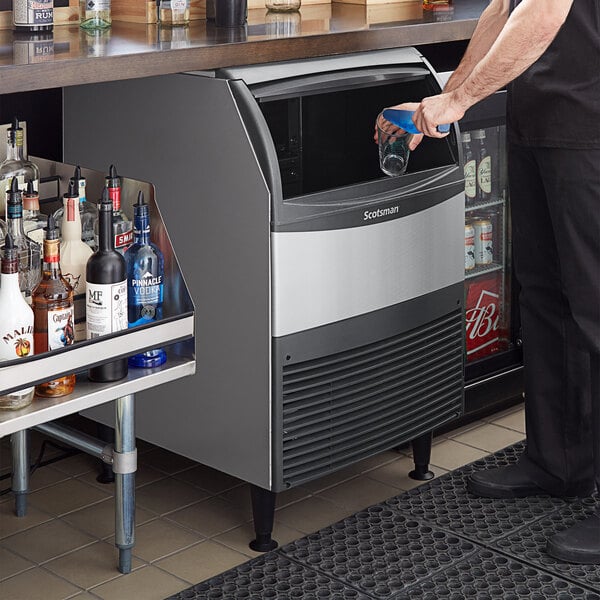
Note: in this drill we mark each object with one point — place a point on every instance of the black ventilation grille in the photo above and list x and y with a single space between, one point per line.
343 407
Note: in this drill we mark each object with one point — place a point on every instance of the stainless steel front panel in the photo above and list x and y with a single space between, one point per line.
321 277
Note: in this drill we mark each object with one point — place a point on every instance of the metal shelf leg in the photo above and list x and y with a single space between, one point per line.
124 467
20 470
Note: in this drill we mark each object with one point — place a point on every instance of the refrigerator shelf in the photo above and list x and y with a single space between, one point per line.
174 332
481 205
482 270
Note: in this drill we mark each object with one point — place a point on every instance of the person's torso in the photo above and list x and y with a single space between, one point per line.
556 102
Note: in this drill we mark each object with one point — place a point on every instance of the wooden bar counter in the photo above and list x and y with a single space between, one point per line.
71 56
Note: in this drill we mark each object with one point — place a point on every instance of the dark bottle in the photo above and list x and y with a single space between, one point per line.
106 292
122 226
484 167
145 273
53 313
470 169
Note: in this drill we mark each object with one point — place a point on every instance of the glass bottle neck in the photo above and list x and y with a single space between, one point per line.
105 231
14 150
15 226
51 266
141 230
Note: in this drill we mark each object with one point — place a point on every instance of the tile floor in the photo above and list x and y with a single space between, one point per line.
192 522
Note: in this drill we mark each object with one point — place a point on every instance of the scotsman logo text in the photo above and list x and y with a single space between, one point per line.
380 212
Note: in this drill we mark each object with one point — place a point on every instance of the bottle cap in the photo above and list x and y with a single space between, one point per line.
466 138
15 131
10 259
105 203
72 191
479 134
140 208
148 360
31 199
112 179
51 229
14 201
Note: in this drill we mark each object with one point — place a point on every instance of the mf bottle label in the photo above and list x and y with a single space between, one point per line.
16 343
106 306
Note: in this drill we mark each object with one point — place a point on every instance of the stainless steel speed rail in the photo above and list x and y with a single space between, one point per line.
175 332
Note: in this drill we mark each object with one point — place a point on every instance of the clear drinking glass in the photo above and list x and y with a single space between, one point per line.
393 147
282 5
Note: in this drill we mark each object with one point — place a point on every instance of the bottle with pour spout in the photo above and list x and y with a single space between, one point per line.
53 312
106 295
88 212
16 323
74 256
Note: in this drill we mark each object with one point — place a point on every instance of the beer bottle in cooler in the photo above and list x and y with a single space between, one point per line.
484 167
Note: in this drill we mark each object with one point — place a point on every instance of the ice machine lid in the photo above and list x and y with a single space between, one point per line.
257 74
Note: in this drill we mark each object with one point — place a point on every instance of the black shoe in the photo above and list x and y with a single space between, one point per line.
579 544
504 482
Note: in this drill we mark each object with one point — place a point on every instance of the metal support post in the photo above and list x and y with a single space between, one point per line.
124 467
19 442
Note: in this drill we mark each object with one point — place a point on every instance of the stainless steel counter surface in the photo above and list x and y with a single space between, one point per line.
71 56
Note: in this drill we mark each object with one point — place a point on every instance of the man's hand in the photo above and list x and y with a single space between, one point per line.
437 110
414 140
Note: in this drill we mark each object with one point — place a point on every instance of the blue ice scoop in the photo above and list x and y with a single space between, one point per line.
403 119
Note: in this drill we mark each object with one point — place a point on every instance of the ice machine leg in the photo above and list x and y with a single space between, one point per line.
20 470
263 511
124 467
421 454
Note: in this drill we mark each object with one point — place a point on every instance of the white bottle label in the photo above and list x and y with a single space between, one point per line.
106 306
61 330
484 175
37 235
16 341
470 180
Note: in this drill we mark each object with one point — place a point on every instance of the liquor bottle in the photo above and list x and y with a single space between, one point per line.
106 296
484 167
87 211
122 226
16 323
15 164
470 170
29 251
33 16
145 273
53 313
74 256
173 13
94 14
34 221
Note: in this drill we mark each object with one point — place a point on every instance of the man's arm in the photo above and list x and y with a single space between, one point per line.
488 28
526 35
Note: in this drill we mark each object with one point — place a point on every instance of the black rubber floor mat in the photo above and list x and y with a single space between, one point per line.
271 576
528 544
445 503
432 543
378 551
488 575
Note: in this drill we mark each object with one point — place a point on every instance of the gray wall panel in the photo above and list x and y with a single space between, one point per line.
183 133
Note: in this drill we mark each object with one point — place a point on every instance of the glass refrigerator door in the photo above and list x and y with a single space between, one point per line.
491 316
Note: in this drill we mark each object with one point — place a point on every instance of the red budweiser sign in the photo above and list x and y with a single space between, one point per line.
484 328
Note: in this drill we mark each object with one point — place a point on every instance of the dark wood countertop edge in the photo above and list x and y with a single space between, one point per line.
77 71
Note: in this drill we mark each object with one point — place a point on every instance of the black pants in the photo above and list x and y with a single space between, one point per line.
555 199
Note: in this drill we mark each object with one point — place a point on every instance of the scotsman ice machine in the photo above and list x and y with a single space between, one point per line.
329 296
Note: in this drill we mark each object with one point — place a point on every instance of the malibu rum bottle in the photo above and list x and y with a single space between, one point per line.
54 317
106 296
16 323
